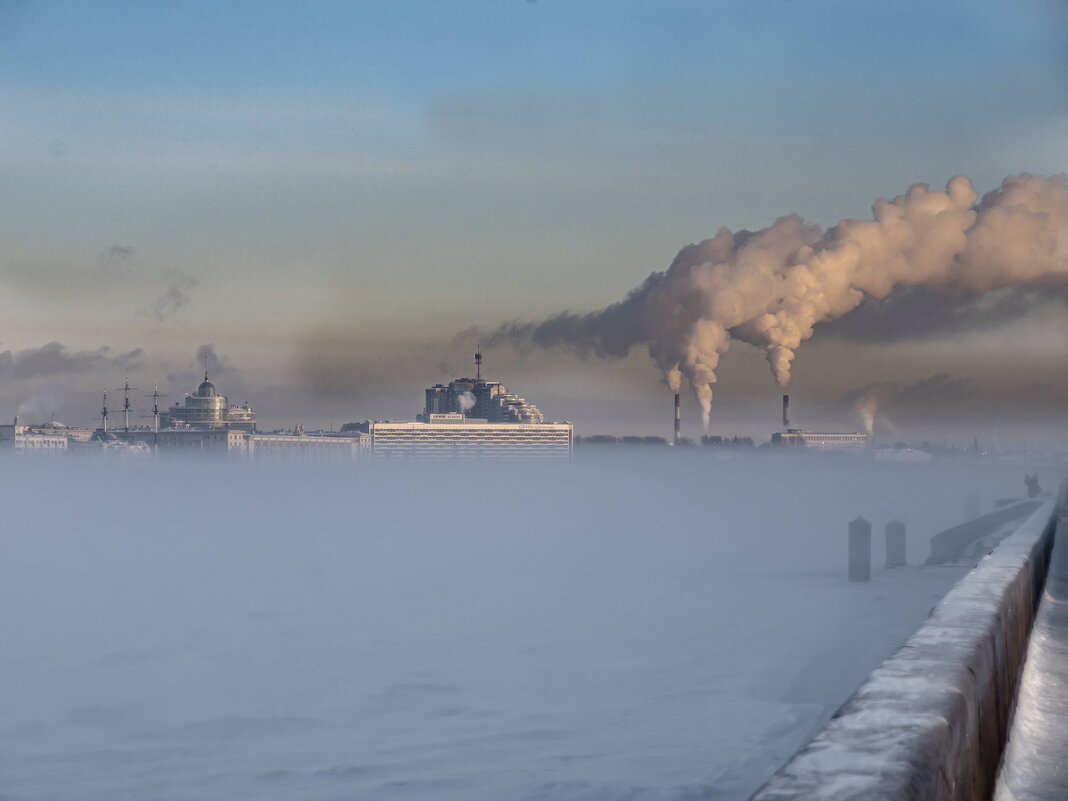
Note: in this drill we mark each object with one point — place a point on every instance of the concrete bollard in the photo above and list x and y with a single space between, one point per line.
895 544
860 550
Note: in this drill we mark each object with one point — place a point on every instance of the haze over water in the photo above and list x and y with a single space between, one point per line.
659 625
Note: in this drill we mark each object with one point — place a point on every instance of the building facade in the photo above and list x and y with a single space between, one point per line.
229 441
451 435
27 439
848 441
308 447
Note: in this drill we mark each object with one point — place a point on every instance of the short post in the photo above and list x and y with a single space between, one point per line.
895 544
860 550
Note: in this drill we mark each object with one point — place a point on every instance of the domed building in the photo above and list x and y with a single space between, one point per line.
208 409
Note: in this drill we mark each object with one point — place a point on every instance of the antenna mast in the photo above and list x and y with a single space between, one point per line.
126 406
478 363
156 395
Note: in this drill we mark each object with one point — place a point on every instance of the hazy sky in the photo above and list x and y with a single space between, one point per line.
329 193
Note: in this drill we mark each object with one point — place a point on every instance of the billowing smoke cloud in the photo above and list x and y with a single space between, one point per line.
54 359
771 288
209 359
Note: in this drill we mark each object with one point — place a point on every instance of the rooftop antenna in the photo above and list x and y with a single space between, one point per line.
478 363
126 405
104 411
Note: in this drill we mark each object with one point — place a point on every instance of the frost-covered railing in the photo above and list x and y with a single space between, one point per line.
930 723
1034 766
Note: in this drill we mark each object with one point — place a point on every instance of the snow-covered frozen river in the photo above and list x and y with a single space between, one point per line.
634 624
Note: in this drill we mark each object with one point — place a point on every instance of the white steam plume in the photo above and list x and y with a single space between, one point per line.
869 407
38 408
770 288
466 400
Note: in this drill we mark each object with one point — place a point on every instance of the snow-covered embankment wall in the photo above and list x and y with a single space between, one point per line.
931 722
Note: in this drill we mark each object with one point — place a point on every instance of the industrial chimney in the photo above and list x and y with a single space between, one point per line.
785 411
678 427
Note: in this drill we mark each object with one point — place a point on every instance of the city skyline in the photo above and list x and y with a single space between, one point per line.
328 197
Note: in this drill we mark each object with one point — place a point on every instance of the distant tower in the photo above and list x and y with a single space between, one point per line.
104 411
478 363
785 412
678 420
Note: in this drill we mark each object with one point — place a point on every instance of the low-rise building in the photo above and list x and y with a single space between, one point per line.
853 440
321 447
227 441
32 439
451 435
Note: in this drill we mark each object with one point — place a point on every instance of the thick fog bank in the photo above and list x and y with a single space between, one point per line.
641 625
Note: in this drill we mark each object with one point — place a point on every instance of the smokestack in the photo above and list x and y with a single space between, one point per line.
785 411
678 426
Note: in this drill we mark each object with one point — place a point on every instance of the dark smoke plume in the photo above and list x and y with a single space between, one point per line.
915 313
114 255
209 360
54 359
174 298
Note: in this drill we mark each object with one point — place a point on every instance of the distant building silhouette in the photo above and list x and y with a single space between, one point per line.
478 399
208 409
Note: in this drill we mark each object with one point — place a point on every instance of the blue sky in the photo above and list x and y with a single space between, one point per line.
329 192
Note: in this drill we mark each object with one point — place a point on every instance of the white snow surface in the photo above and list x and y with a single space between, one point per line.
631 625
